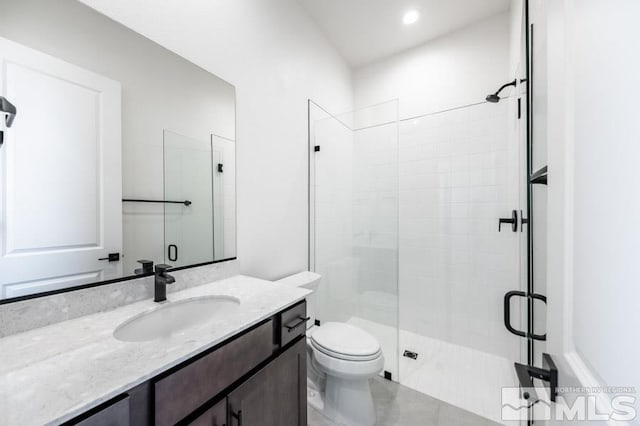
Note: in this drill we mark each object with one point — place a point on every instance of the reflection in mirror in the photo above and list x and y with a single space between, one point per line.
188 212
199 193
88 167
224 200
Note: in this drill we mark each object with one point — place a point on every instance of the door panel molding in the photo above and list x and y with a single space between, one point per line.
58 227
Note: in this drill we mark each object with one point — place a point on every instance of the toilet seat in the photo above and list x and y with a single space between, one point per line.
346 342
348 370
343 356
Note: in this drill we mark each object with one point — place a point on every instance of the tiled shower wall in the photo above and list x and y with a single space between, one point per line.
375 222
458 174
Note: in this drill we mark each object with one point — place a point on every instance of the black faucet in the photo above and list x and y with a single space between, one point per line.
162 280
147 267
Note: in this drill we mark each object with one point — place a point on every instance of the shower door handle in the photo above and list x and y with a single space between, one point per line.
172 252
507 313
513 221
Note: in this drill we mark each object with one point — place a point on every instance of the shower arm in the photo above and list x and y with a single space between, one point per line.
511 83
495 97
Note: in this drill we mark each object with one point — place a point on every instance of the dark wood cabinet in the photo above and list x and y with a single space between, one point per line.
293 323
255 378
275 396
112 413
214 416
181 392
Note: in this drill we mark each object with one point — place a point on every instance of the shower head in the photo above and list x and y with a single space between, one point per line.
7 109
494 98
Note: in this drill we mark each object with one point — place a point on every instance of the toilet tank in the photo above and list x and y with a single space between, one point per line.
310 281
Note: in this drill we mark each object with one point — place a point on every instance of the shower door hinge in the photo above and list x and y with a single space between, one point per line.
519 108
316 148
523 221
526 374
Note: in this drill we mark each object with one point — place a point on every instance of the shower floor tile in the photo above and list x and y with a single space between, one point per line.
458 375
397 405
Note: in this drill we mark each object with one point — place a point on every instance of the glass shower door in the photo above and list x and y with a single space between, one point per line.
460 172
354 220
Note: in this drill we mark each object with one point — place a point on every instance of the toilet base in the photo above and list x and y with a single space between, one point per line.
314 396
349 402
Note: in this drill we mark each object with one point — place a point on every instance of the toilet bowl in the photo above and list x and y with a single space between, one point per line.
341 358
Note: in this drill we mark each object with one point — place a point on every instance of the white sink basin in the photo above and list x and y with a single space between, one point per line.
175 317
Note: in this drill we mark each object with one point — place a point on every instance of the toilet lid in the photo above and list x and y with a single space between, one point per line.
337 338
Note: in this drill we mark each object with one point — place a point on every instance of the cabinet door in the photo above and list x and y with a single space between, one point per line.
214 416
180 393
276 395
114 414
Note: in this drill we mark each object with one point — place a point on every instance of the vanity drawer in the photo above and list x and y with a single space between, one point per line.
214 416
293 323
182 392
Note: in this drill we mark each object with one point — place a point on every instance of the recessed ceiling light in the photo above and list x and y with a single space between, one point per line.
410 17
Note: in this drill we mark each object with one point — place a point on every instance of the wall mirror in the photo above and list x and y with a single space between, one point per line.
119 151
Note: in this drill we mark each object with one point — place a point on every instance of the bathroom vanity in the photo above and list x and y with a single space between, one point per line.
246 367
257 377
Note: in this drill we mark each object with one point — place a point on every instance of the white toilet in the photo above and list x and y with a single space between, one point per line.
341 358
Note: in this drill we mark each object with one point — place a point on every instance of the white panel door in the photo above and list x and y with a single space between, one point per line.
60 174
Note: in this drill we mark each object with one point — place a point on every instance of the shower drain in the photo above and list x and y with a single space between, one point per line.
410 354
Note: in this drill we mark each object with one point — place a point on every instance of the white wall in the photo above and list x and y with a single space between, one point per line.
277 59
516 38
457 69
593 151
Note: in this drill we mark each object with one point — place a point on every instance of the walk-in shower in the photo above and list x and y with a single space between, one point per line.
404 230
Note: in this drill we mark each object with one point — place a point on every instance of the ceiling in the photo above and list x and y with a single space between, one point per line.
367 30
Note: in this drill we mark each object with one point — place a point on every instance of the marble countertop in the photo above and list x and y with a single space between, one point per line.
51 374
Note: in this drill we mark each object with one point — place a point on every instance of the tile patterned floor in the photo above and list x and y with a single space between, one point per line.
397 405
